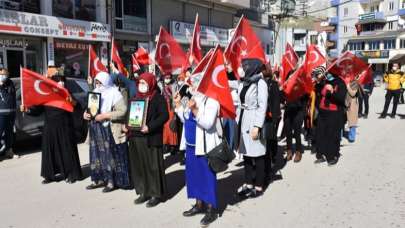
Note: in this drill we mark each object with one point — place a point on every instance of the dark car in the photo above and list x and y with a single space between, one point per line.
28 127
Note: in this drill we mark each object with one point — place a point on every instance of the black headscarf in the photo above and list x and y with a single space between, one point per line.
252 68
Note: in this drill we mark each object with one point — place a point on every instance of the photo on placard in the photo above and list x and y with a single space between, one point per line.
93 104
138 109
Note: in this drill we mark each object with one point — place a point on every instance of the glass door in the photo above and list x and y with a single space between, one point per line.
15 60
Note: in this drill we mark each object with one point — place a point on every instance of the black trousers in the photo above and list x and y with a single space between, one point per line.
271 153
364 100
6 131
293 121
254 170
402 100
391 94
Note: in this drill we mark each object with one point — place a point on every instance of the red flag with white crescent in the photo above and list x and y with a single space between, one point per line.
348 67
295 86
288 62
115 58
244 44
366 76
214 84
95 65
169 55
195 45
313 59
142 56
135 64
39 90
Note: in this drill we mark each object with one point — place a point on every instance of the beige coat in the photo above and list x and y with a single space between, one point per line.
118 120
353 109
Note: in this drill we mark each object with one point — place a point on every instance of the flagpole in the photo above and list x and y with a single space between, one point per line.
88 70
22 89
111 53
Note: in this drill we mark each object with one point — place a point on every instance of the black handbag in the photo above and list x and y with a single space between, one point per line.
219 157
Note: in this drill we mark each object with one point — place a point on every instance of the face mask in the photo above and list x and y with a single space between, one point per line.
241 72
167 81
61 84
3 78
394 68
329 77
143 88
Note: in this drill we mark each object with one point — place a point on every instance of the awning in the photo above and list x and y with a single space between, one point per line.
378 61
398 58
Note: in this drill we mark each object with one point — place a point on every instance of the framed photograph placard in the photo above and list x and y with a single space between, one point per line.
93 104
138 111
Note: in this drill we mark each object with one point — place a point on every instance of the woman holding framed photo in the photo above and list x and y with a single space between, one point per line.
108 152
147 116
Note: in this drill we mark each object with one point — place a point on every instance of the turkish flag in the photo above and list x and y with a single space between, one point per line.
135 64
313 59
195 45
366 76
169 55
39 90
348 67
295 86
203 63
244 44
214 84
288 62
142 56
95 65
115 58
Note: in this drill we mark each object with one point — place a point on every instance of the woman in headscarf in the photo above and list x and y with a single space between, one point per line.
108 155
253 93
60 158
146 145
199 137
170 137
330 119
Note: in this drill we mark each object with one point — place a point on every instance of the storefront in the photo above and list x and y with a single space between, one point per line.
33 40
379 58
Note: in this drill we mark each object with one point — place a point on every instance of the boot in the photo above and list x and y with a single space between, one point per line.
297 157
209 217
289 155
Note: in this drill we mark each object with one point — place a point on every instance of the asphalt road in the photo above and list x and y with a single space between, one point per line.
365 189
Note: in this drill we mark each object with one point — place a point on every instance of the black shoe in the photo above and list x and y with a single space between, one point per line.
254 193
244 190
209 217
94 186
365 116
153 202
360 115
382 117
195 210
108 189
319 160
47 181
333 162
142 199
392 116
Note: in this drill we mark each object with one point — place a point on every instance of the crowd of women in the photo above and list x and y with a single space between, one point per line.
123 158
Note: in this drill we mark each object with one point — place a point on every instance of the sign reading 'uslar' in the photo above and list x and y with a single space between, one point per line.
22 23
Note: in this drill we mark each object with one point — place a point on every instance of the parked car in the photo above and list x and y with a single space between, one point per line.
27 127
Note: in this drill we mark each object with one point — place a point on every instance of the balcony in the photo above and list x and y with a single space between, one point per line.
241 4
334 20
334 2
401 12
373 17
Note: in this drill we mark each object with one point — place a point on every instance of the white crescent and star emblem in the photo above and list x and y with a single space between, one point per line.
198 41
168 50
215 74
95 64
239 38
313 60
38 89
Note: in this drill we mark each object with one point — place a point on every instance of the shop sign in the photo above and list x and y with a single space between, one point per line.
23 23
211 36
71 45
373 54
135 24
13 43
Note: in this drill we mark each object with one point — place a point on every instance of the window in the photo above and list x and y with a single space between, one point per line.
75 9
356 46
390 25
375 8
402 43
346 11
130 15
31 6
389 44
391 6
403 4
374 45
345 29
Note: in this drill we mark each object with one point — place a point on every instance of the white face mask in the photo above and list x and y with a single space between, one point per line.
3 78
167 81
61 84
394 68
143 88
241 72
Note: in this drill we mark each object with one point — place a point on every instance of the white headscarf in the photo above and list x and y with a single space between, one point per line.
110 95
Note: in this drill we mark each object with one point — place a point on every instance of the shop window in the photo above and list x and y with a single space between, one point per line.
389 44
75 9
374 45
31 6
402 43
131 15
